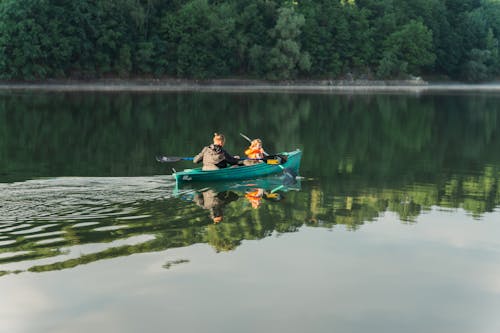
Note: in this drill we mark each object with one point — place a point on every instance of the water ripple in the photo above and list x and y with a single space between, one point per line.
47 219
77 198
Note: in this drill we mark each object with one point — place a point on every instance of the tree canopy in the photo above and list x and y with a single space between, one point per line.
274 39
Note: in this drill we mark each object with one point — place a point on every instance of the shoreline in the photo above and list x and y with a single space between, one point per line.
239 85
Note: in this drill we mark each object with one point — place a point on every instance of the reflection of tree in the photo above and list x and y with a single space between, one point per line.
368 155
374 136
176 223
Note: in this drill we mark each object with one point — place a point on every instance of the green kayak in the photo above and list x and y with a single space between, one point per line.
290 161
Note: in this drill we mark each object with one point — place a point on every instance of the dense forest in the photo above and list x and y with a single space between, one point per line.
271 39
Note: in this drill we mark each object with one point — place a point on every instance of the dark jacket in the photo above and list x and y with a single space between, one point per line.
215 157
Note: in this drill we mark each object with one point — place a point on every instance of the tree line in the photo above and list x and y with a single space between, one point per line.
272 39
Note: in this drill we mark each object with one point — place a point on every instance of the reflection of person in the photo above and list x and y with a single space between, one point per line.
256 195
214 202
255 151
214 156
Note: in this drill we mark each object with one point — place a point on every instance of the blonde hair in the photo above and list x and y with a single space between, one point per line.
219 138
255 142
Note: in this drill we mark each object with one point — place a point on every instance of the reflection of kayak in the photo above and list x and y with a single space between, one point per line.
243 172
205 194
271 183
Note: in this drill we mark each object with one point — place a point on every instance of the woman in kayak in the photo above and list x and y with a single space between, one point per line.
214 157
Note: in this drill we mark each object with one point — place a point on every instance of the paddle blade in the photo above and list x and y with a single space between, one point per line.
290 176
168 159
246 137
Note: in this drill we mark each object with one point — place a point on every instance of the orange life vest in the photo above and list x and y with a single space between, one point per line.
254 152
255 197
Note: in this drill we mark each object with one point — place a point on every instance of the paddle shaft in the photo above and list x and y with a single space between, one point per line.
250 140
169 159
246 137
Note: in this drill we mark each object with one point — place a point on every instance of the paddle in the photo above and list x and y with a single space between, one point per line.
268 159
289 174
167 159
250 140
246 137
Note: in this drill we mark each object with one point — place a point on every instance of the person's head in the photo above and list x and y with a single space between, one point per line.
217 219
219 139
217 214
256 143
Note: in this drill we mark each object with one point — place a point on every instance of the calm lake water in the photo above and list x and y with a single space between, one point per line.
392 225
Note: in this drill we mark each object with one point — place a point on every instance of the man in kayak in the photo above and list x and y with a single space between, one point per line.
214 157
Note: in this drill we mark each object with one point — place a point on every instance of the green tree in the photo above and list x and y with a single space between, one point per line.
286 57
253 21
478 68
407 50
323 35
40 39
382 18
356 47
481 60
200 39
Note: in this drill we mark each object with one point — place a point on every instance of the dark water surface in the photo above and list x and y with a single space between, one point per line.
392 225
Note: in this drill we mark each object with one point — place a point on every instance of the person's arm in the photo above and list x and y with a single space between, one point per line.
198 158
231 159
198 199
